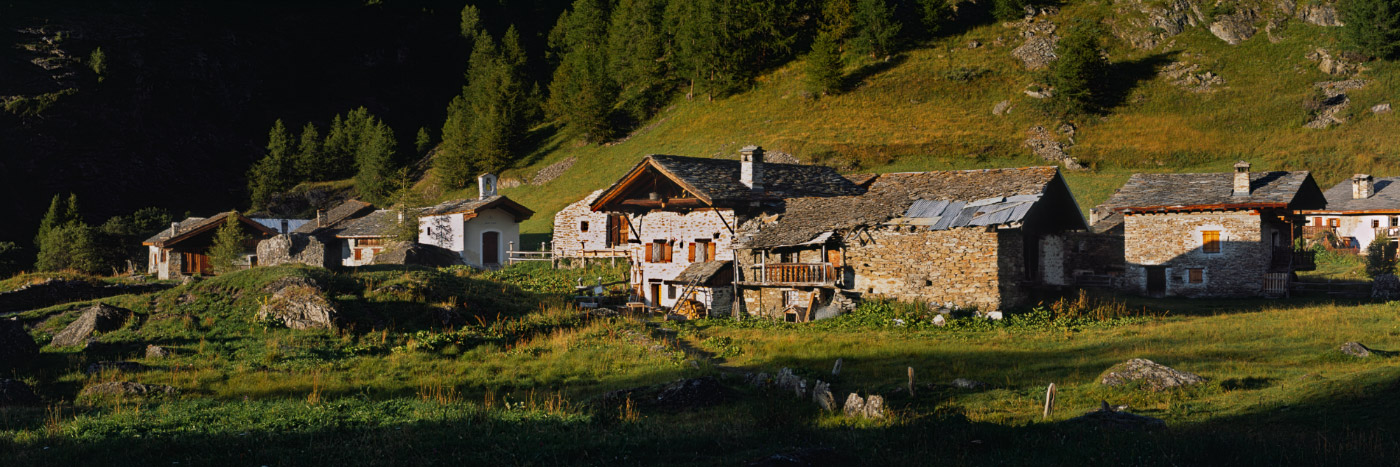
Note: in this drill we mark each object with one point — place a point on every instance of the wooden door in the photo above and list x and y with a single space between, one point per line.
491 247
1156 281
656 294
617 230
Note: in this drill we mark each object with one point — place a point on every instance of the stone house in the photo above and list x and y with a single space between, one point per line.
953 239
1211 234
681 215
1358 212
581 232
183 249
479 229
359 240
316 242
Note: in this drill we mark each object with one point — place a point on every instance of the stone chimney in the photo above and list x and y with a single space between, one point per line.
751 168
486 184
1362 186
320 218
1241 184
174 229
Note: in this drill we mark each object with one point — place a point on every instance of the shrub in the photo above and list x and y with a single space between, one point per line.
1379 258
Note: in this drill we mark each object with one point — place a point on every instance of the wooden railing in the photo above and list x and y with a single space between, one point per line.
1388 232
793 273
1310 230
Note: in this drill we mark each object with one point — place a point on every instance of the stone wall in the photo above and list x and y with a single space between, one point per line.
1174 241
962 267
568 239
767 302
681 229
293 248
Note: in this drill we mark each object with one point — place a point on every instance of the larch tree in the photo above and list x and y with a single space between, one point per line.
582 93
875 27
226 253
1372 27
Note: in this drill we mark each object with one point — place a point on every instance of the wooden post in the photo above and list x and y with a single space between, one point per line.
510 258
1049 401
911 381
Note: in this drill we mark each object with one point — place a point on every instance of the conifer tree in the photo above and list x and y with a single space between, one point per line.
836 18
274 172
374 157
486 122
422 142
309 166
582 93
226 253
1372 27
824 65
875 27
54 217
1079 73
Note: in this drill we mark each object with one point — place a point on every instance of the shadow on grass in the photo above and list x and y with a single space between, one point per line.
1127 75
856 77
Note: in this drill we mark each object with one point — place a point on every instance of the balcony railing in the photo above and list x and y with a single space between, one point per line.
792 274
1388 232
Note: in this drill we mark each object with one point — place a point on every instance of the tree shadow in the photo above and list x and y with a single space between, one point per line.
856 77
1125 76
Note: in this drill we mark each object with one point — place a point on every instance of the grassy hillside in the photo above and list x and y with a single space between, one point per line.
931 108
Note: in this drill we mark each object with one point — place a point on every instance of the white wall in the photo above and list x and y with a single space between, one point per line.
463 236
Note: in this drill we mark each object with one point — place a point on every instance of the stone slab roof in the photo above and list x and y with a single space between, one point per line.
1385 198
1202 191
184 226
340 214
474 205
380 223
891 196
718 179
700 272
196 225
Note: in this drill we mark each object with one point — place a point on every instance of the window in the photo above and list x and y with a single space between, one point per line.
1395 221
671 291
369 242
1334 222
1210 241
701 250
583 226
658 251
1375 223
1195 275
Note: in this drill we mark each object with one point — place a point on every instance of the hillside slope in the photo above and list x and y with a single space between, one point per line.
932 108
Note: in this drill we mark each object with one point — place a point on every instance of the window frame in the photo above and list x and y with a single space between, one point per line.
1195 275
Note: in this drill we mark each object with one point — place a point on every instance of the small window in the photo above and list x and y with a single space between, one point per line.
1196 275
1375 223
659 251
1210 241
1334 222
671 291
1395 221
583 226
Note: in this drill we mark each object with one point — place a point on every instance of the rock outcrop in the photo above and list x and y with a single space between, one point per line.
1151 375
1146 24
13 393
293 249
97 318
1038 50
1324 14
1046 146
1333 65
1334 102
126 388
1189 77
17 348
1236 27
299 305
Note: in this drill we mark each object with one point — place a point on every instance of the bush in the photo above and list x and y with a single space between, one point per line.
1379 258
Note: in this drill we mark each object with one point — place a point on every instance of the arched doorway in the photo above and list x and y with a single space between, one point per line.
491 248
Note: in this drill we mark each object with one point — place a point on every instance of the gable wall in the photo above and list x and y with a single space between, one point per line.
963 267
683 228
568 241
1174 240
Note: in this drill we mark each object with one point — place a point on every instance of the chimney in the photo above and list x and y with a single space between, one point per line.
486 184
1362 186
174 229
320 218
1241 178
751 168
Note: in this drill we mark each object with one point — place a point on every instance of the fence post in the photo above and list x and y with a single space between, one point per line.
510 255
1049 401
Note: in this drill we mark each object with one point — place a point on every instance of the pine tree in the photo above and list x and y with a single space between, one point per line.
422 142
374 157
695 42
487 121
454 162
274 173
875 27
824 65
636 47
836 18
1078 75
582 93
68 242
54 217
471 21
226 253
935 14
1372 27
309 166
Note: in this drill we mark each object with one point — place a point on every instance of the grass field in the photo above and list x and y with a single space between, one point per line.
521 381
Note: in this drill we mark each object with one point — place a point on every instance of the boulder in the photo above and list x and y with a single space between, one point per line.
156 351
293 248
13 393
17 348
963 383
1146 24
821 394
939 320
299 306
1002 108
1381 108
855 406
1356 349
874 406
1109 417
417 254
1151 375
97 318
787 381
1320 15
1234 28
1038 50
123 388
1332 64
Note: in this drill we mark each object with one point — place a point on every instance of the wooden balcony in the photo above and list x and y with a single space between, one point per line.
1286 259
1388 232
791 274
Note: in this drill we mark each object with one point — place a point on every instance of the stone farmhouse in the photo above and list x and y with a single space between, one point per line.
953 239
682 216
361 239
183 249
479 229
581 232
317 242
1359 211
1210 234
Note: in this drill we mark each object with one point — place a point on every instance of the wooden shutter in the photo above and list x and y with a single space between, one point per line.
691 255
834 257
1210 241
666 252
1196 275
709 251
649 247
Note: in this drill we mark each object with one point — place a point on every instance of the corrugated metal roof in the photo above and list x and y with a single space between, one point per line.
986 211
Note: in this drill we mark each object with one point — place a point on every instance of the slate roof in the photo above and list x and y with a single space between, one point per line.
701 272
195 225
475 204
1179 192
717 180
1386 196
891 196
380 223
185 226
335 217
